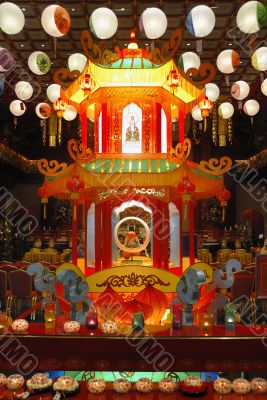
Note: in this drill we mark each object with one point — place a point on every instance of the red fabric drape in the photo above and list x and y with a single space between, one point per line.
191 233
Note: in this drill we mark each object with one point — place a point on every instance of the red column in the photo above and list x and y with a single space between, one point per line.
158 128
156 234
74 233
104 128
181 126
179 205
84 128
106 235
87 204
165 236
191 232
98 236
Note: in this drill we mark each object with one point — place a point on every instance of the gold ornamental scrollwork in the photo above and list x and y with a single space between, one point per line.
199 77
216 167
79 152
169 49
132 280
181 151
65 78
51 168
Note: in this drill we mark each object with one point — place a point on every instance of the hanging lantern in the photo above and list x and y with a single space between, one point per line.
259 59
103 23
153 23
173 80
75 185
53 92
87 84
228 61
70 113
189 60
196 114
43 110
17 108
212 91
251 108
186 188
43 194
240 90
223 196
264 87
23 90
251 17
60 106
55 20
12 19
205 106
39 63
6 60
200 22
226 110
77 62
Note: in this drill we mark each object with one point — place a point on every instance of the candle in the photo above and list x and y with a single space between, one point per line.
230 317
177 310
206 323
50 315
138 321
92 320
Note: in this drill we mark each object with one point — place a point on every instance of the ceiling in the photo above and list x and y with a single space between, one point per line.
225 35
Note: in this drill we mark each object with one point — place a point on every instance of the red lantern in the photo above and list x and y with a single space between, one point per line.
173 79
186 188
86 83
43 194
223 196
156 300
75 185
205 106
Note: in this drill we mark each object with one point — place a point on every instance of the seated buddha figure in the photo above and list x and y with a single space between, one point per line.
131 241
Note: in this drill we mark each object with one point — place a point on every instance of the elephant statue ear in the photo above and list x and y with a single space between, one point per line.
67 277
35 269
78 293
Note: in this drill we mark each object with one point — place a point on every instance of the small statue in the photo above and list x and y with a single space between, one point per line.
131 241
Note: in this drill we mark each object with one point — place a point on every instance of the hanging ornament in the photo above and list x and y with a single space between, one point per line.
212 91
39 63
230 130
44 130
205 106
200 22
214 127
173 79
153 23
251 17
17 108
189 60
87 84
12 19
75 185
223 196
196 114
53 92
55 20
23 90
239 91
77 62
6 60
251 108
264 87
43 194
60 106
226 110
103 23
259 59
227 62
43 110
70 113
186 188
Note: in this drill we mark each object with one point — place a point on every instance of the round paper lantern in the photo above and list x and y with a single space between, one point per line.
228 61
77 62
70 113
240 90
153 23
53 92
226 110
251 107
39 63
12 19
200 21
264 87
212 91
55 20
43 110
103 23
197 114
17 108
24 90
259 59
189 60
6 60
251 17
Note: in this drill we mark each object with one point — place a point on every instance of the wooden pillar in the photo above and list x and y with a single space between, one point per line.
87 204
191 232
98 236
106 235
181 126
158 128
156 234
179 205
165 236
74 233
105 144
84 128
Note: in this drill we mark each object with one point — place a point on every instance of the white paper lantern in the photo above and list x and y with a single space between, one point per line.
153 23
251 17
23 90
39 63
17 108
53 92
77 62
70 113
189 60
12 19
43 110
264 87
212 91
240 90
226 110
103 23
228 61
251 107
197 114
6 60
55 20
200 21
259 59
